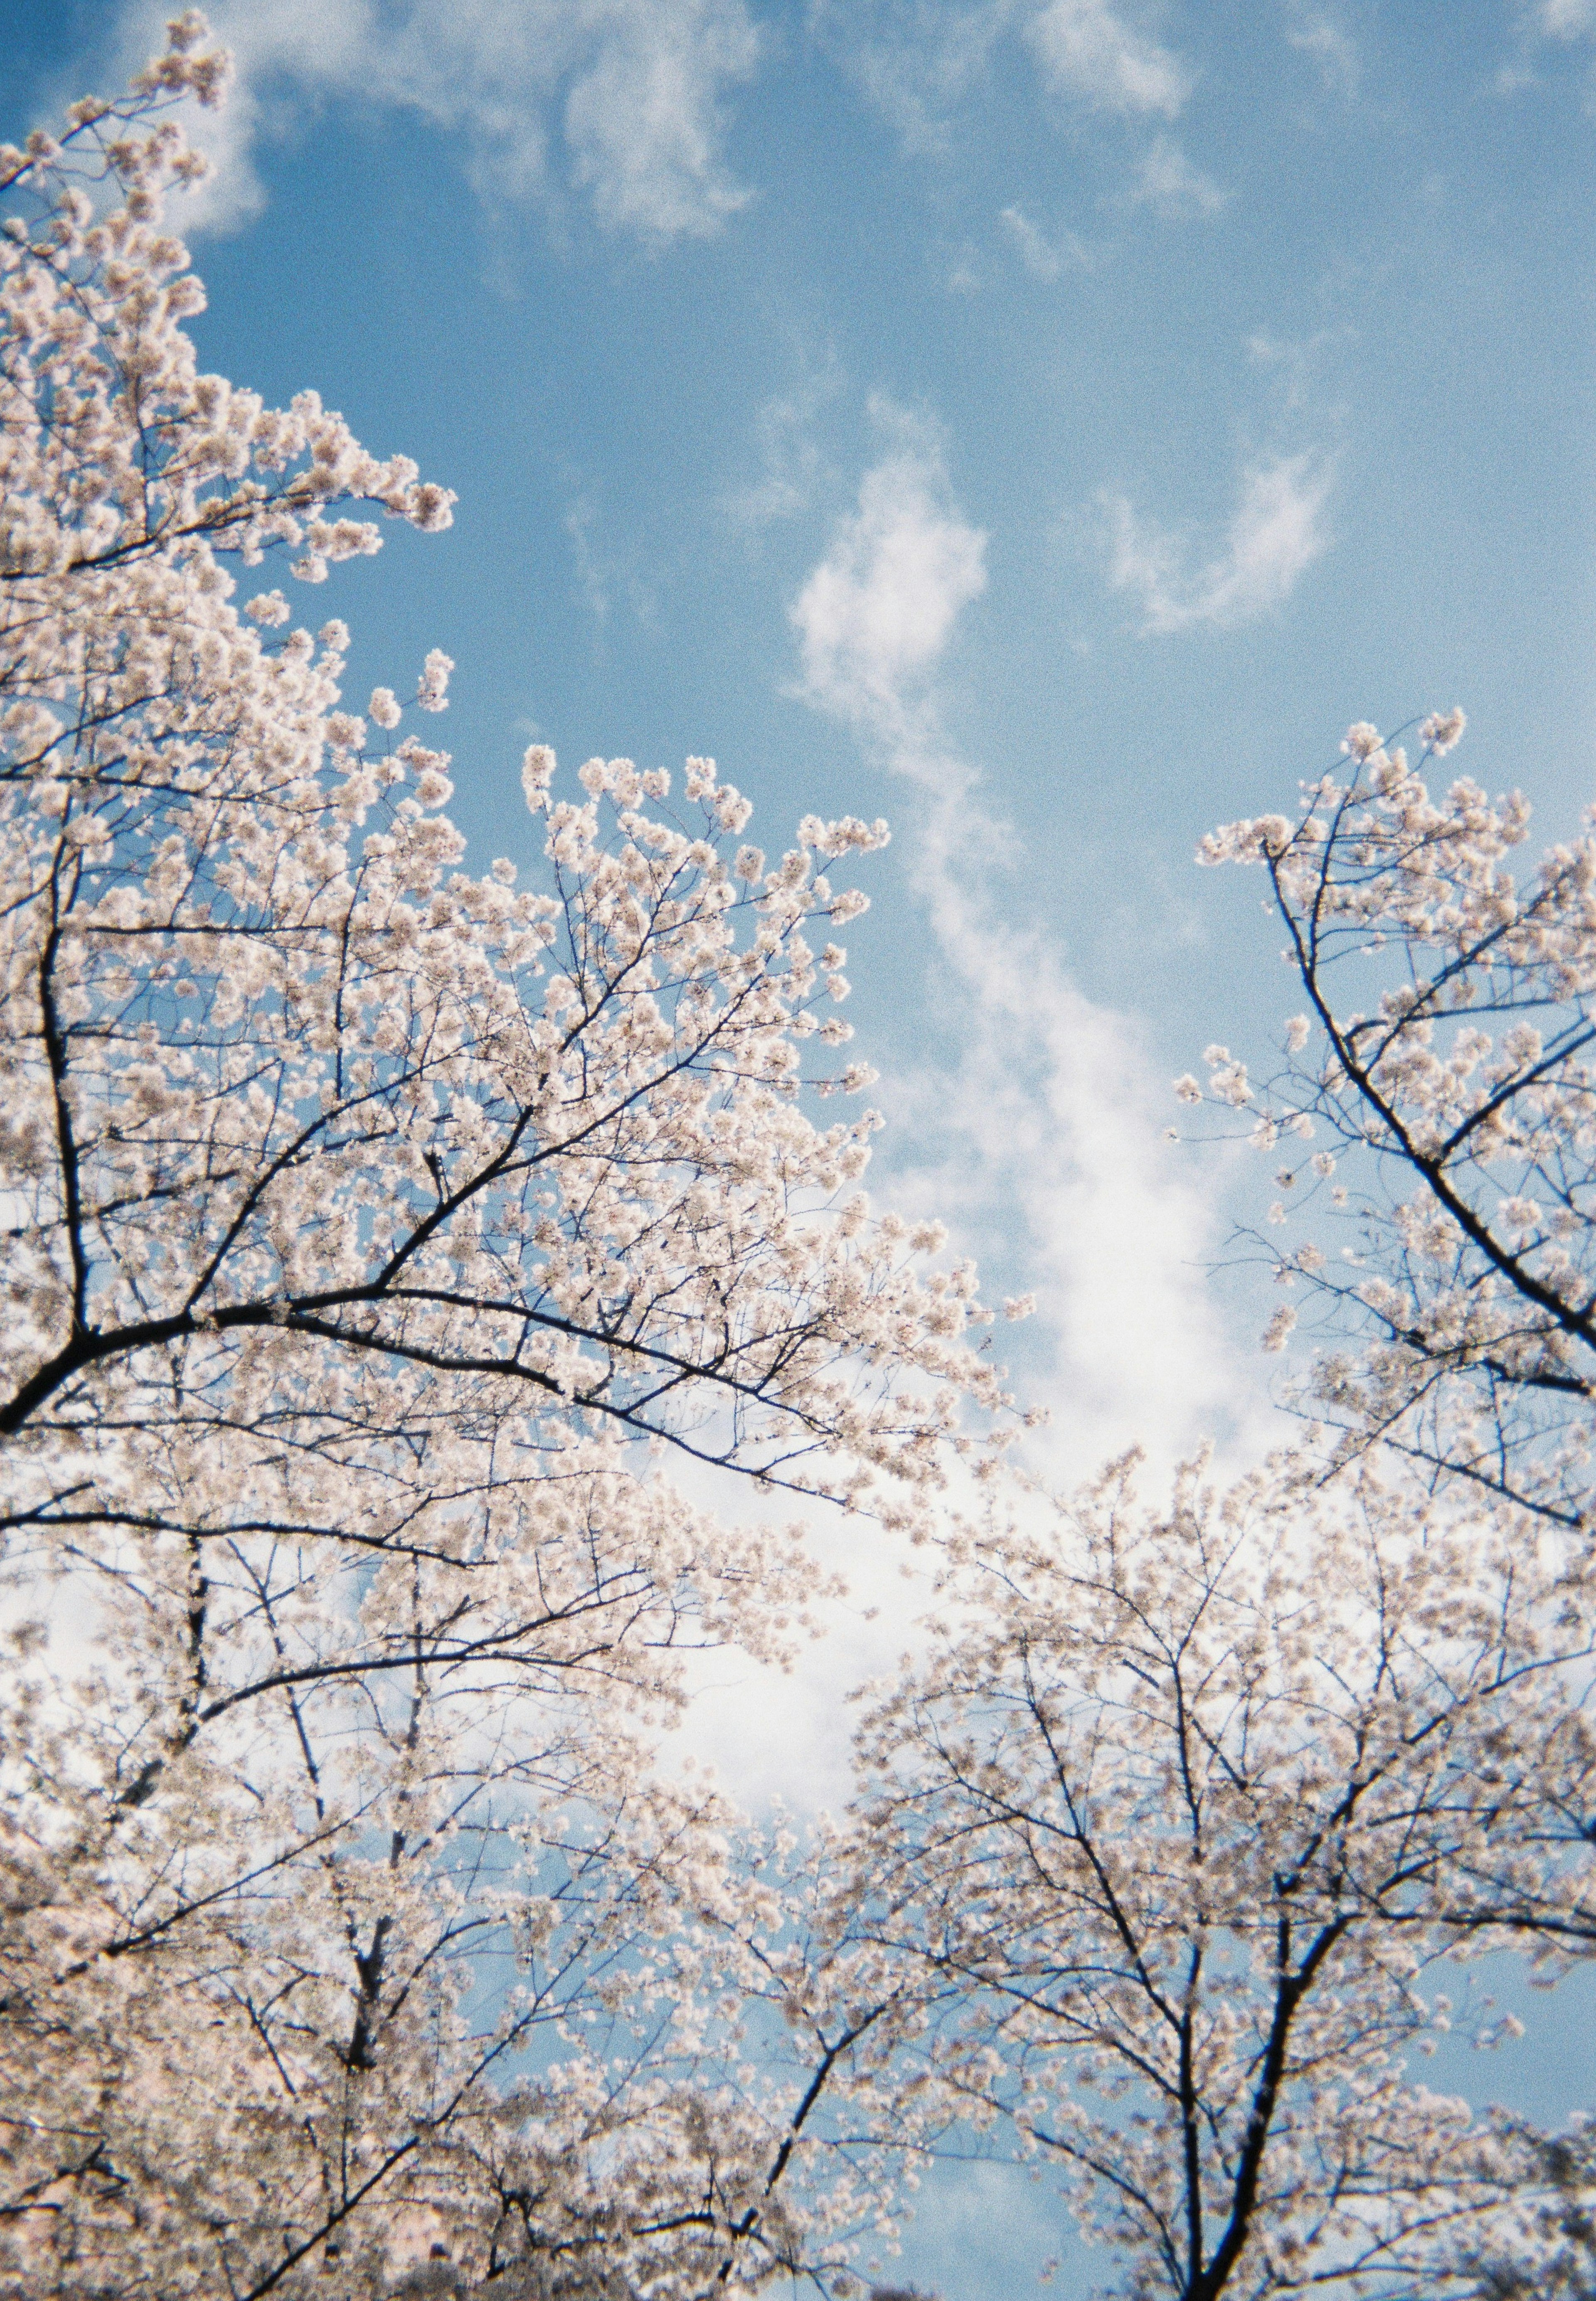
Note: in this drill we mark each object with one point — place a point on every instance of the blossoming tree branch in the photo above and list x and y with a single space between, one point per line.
368 1225
434 1304
1444 1058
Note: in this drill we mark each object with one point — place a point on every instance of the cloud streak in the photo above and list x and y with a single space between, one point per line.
1167 182
626 103
1044 258
621 101
913 59
1315 34
877 613
790 457
917 60
1275 533
1088 51
1050 1128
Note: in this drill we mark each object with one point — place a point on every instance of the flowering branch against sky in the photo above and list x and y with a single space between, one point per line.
1045 425
1000 400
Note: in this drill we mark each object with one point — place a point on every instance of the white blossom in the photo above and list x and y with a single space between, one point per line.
431 689
537 775
377 1236
1166 1840
1449 1062
1442 730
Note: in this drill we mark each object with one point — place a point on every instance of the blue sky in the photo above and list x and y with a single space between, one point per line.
1044 422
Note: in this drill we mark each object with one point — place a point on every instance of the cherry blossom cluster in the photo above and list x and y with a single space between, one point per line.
1442 1065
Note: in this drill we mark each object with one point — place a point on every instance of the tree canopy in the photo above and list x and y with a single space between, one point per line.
428 1292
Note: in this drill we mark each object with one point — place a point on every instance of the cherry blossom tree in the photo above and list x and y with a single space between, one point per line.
1543 2246
1163 1851
1442 1066
376 1236
388 1248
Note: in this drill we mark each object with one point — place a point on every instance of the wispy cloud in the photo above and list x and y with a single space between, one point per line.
877 613
1039 1140
1316 33
789 454
578 522
1274 535
1043 258
913 60
604 573
643 115
1296 361
1565 19
1558 23
1168 183
622 101
916 61
1088 51
1048 1132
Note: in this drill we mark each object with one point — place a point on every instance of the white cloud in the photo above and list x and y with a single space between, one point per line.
1043 258
917 60
772 1733
1275 533
878 611
1564 22
788 454
1296 361
1168 183
621 99
1315 33
1051 1137
1565 19
579 523
1087 51
643 119
1050 1128
913 59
